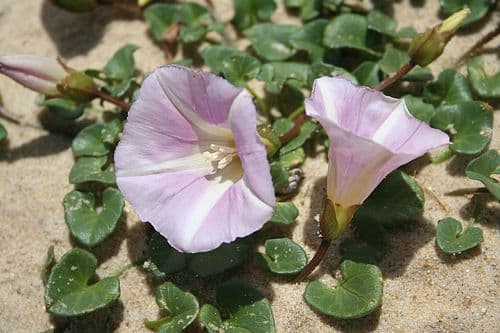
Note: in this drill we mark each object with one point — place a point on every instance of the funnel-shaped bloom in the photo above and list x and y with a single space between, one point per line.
190 160
370 135
40 74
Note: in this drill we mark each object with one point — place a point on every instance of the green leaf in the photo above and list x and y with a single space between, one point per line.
397 200
160 17
282 126
239 68
309 9
483 84
382 23
276 74
121 66
97 139
356 251
350 31
92 169
419 109
392 60
64 108
249 12
372 233
483 167
309 38
213 54
450 238
249 311
284 213
283 256
87 224
196 22
68 293
279 174
478 8
293 158
3 133
367 74
450 88
165 260
407 32
50 261
305 133
469 123
272 41
182 309
357 295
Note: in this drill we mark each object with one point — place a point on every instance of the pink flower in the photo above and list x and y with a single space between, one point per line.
190 160
40 74
370 135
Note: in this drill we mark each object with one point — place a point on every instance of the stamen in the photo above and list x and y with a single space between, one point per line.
223 155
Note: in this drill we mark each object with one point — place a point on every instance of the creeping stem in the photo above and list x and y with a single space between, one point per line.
476 47
398 75
315 261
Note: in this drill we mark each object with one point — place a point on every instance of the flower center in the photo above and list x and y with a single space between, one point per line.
220 155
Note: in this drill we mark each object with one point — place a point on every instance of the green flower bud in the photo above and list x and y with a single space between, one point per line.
427 46
78 87
269 138
77 6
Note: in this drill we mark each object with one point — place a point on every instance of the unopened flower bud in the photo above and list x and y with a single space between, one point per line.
269 138
429 45
78 87
40 74
77 6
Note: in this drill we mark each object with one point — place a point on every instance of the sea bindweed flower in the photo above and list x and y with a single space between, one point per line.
190 161
370 135
41 74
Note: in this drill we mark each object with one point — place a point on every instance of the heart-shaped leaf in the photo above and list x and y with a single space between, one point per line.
350 31
419 109
182 309
367 74
161 16
239 68
272 41
213 54
283 256
451 87
483 167
393 59
249 311
276 74
309 38
372 233
309 9
64 108
478 8
357 295
121 66
165 260
382 23
396 201
97 140
249 12
87 224
196 22
483 84
469 123
450 238
284 213
356 251
92 169
68 293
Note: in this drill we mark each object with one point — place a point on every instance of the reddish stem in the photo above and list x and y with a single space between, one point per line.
297 124
392 79
315 261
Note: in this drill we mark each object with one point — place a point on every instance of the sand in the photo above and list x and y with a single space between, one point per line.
424 290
